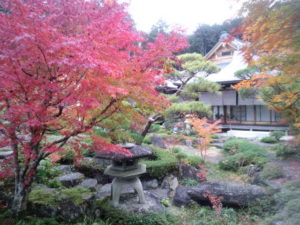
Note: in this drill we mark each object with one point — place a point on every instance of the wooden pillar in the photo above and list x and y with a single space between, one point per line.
225 114
254 111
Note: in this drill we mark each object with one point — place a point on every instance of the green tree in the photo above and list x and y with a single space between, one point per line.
206 36
189 66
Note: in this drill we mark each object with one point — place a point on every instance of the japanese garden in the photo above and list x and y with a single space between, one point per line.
104 123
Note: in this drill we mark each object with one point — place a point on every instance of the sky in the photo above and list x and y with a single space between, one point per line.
188 14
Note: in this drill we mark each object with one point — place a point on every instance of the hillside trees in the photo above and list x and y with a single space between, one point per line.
67 66
206 36
272 30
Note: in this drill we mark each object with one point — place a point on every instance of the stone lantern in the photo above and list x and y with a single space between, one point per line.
126 171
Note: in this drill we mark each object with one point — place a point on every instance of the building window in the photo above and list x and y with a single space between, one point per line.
277 117
262 114
238 113
226 53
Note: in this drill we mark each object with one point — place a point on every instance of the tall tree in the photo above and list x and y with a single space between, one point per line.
158 28
272 29
67 66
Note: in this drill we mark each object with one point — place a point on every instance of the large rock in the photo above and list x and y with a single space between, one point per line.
94 168
187 171
235 195
158 141
170 182
89 183
153 203
150 184
63 169
71 179
181 197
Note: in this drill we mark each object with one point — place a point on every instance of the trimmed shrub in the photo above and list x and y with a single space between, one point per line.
238 160
163 162
195 160
284 151
270 140
272 171
277 134
232 145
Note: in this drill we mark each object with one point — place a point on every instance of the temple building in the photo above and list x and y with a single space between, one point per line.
236 112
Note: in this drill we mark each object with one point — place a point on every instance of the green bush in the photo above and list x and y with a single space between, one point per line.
272 171
45 172
176 149
270 140
232 145
147 140
163 162
284 151
181 155
195 160
277 134
234 162
155 128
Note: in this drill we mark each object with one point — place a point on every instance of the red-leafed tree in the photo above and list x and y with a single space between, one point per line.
67 66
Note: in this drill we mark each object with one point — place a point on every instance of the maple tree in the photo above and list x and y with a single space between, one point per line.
271 29
205 130
67 66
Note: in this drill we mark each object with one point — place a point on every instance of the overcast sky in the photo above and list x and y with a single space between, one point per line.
186 13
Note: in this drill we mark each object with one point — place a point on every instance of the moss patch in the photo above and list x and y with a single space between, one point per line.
53 197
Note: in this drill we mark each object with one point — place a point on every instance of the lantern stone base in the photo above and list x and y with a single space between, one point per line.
126 178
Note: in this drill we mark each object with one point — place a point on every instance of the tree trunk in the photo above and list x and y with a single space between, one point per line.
19 202
148 126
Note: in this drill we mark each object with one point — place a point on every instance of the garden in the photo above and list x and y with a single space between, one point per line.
90 134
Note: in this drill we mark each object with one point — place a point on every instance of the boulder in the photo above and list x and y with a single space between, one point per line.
150 184
89 183
187 171
234 195
181 197
71 179
63 169
130 204
158 141
94 168
170 182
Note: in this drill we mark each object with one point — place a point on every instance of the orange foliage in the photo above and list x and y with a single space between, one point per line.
205 130
271 31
